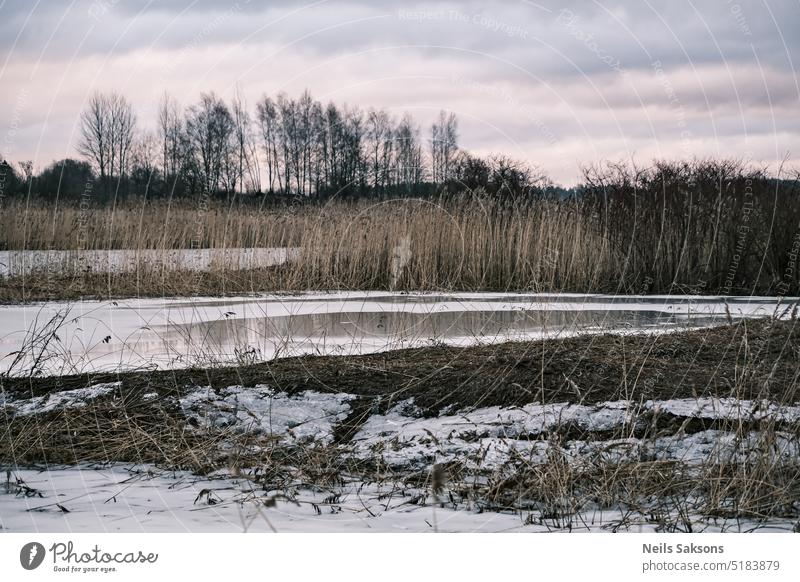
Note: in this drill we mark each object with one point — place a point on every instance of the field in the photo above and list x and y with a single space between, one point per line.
687 431
458 363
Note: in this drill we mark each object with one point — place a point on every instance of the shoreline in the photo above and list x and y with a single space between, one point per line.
681 364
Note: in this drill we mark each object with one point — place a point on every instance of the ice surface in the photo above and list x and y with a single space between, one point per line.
181 332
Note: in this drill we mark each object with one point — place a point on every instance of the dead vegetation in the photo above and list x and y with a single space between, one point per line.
674 227
753 478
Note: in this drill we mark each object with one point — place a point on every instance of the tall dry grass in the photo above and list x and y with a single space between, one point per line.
450 243
455 244
613 239
138 224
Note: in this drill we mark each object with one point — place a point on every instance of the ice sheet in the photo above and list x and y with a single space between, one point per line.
180 332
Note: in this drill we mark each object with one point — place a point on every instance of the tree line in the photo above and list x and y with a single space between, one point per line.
282 146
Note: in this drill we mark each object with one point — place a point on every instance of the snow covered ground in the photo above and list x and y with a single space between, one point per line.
140 498
172 333
490 437
488 440
132 499
485 438
116 500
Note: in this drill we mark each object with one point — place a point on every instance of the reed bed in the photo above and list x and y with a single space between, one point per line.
139 224
467 241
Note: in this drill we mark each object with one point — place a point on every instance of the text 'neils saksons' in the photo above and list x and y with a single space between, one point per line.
665 548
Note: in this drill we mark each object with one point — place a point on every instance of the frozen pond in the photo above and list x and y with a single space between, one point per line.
18 263
136 333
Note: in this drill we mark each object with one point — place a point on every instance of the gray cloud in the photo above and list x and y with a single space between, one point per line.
552 81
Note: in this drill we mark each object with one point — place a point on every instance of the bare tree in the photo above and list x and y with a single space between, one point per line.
309 149
209 127
379 143
330 127
107 130
444 145
287 113
409 168
95 128
305 129
122 125
348 140
267 114
144 160
170 128
244 145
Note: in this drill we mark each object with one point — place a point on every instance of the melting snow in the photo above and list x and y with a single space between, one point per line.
305 416
144 499
726 408
489 437
65 399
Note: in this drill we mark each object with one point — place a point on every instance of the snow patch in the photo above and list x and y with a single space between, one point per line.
726 408
63 400
490 437
28 262
305 416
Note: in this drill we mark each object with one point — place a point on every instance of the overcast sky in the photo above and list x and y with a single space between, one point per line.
555 83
